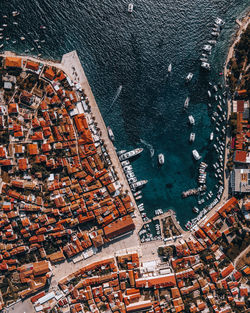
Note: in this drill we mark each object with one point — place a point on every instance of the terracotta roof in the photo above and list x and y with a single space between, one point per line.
13 62
240 156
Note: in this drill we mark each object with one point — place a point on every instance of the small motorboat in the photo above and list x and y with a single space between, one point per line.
42 27
192 137
189 77
186 103
170 68
15 13
191 119
195 210
110 134
196 155
219 21
205 65
130 7
161 158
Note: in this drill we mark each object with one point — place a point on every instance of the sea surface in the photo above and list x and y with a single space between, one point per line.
126 57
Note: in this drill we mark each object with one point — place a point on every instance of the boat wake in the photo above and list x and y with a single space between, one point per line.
149 146
118 92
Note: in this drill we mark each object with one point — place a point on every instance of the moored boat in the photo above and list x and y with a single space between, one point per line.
130 154
139 184
205 65
196 155
161 158
192 137
110 134
195 210
191 119
211 136
170 68
130 7
189 77
186 103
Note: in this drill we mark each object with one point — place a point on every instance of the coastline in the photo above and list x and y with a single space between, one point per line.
224 197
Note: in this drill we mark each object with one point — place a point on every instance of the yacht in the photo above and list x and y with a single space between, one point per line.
161 158
196 155
130 154
205 65
170 68
186 103
211 136
192 137
191 119
110 134
189 77
139 184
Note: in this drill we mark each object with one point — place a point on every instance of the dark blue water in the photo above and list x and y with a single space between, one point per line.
134 50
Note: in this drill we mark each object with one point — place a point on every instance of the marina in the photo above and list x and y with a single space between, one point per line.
160 180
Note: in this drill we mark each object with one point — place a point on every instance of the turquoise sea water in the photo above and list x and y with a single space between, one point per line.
133 51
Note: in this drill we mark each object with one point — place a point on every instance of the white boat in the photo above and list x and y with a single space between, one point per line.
212 42
139 184
130 7
211 136
170 68
15 23
15 13
138 197
1 46
216 34
195 210
215 88
192 137
161 158
130 154
110 134
205 65
22 38
121 152
186 103
191 119
196 155
219 21
189 77
207 48
137 193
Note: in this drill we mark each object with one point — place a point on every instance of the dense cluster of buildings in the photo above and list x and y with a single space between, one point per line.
60 194
240 176
60 198
196 277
